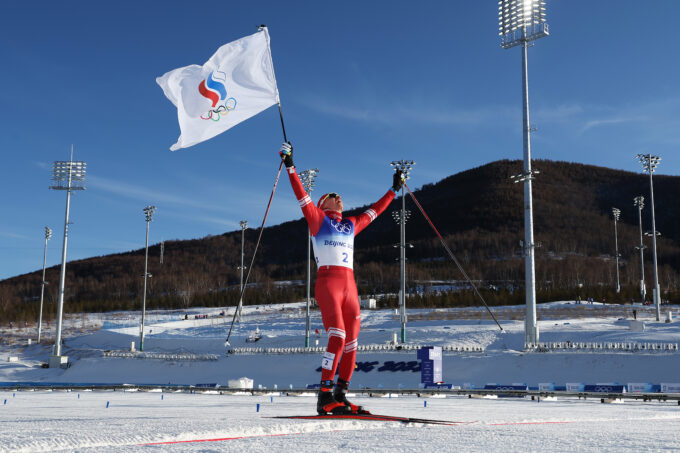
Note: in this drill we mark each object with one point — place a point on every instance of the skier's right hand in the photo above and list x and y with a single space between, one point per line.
286 154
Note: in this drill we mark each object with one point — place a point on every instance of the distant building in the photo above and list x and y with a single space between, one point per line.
367 303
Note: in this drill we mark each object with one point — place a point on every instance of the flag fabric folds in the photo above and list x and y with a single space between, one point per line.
236 83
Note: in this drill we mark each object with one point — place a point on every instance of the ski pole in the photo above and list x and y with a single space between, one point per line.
259 237
453 257
257 244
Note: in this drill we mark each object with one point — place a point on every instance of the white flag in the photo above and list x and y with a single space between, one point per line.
236 83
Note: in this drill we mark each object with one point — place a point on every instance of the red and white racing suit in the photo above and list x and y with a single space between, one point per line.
336 290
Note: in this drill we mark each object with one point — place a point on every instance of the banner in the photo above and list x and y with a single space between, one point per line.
236 83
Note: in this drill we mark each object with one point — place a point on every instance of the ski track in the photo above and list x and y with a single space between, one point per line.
141 421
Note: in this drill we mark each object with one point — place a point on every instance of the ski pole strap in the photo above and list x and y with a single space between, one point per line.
257 244
453 257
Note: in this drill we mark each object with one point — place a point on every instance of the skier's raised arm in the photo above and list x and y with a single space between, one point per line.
364 219
313 214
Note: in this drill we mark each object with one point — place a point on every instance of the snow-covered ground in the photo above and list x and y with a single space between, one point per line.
49 421
40 421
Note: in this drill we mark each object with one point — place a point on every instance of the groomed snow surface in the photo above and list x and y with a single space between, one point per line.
81 421
71 421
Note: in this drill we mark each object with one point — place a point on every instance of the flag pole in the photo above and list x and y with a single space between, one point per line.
283 126
259 237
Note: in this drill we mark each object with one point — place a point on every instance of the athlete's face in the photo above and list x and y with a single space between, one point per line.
333 204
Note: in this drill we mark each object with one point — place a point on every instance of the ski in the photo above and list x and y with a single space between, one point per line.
371 417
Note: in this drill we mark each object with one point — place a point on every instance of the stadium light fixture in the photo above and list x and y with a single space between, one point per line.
405 166
68 176
616 213
307 177
639 202
148 215
649 163
48 235
519 23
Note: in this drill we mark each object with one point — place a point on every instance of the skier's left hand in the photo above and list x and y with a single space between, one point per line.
286 154
398 180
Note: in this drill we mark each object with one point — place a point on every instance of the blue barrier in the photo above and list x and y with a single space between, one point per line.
605 388
390 365
506 387
642 387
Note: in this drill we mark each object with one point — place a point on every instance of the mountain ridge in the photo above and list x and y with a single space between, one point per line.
478 211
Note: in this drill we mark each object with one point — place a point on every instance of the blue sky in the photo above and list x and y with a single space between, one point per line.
361 84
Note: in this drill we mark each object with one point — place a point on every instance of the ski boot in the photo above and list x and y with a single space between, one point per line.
340 395
326 404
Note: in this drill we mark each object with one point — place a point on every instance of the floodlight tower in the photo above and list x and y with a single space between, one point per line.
520 22
148 214
639 201
308 177
401 217
405 167
649 163
48 235
244 225
617 215
68 176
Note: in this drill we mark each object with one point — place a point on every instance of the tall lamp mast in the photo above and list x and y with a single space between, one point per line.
649 163
307 177
519 23
148 215
405 167
616 213
48 235
68 176
639 202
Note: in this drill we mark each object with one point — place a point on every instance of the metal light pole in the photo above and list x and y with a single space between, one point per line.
640 203
307 177
244 225
68 176
649 163
617 215
520 22
401 217
48 235
405 167
148 214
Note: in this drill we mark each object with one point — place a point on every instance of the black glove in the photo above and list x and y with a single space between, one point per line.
397 180
286 154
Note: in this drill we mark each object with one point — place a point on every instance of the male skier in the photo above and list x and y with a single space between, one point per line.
335 289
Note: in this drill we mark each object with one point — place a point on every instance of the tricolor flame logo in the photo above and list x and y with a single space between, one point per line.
214 90
213 87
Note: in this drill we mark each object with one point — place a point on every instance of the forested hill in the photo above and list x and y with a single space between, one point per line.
479 212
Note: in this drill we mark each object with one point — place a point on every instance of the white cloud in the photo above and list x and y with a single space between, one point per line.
609 121
409 112
148 195
13 235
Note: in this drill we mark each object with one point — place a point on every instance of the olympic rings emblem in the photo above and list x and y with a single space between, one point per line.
220 111
342 227
603 389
